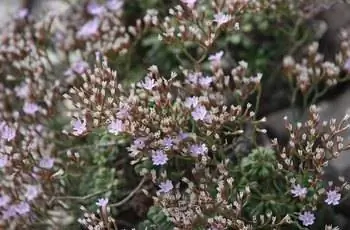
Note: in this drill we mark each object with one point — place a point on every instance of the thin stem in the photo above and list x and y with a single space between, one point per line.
132 193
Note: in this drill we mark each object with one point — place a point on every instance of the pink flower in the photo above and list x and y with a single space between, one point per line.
32 192
102 202
22 208
30 108
298 191
116 127
168 142
216 58
46 163
89 29
79 66
189 3
159 158
205 81
3 160
4 200
307 218
79 127
22 91
114 4
7 133
95 9
347 65
333 197
191 102
11 211
198 149
221 18
199 113
166 186
149 83
22 13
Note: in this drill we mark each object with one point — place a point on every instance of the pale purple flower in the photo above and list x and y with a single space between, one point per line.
3 160
46 162
192 78
198 149
182 136
102 202
189 3
22 91
168 142
7 133
298 191
159 158
22 208
307 218
89 29
216 58
11 211
117 126
22 13
114 4
166 186
205 81
30 108
191 102
4 200
149 83
347 65
124 111
95 9
32 192
79 127
139 143
221 18
79 67
199 113
333 197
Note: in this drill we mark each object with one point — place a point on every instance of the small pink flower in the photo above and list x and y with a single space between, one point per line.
298 191
166 186
22 208
32 192
149 83
117 126
307 218
22 91
30 108
198 149
333 197
89 29
114 4
79 66
102 202
95 9
216 58
205 81
199 113
11 211
4 200
79 127
159 158
46 163
3 160
222 18
7 133
189 3
22 13
191 102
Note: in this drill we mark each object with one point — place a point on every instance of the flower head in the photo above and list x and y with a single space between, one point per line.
102 202
168 142
95 9
189 3
32 192
79 67
22 91
22 13
79 127
22 208
347 65
205 81
117 126
7 133
46 162
216 58
198 149
191 102
149 83
114 4
298 191
221 18
89 29
166 186
159 158
199 113
333 197
30 108
3 160
4 200
307 218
